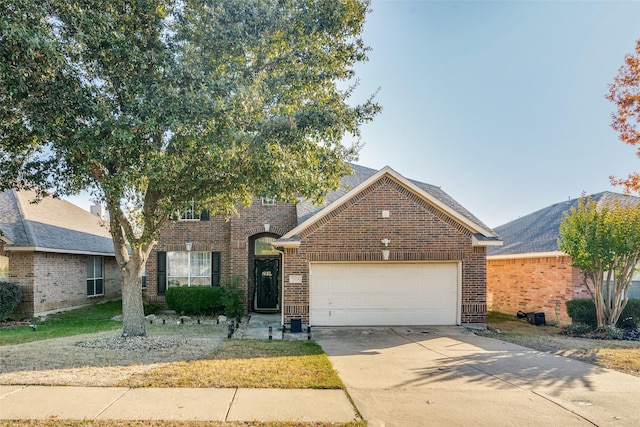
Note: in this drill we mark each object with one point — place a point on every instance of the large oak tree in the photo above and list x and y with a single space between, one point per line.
149 104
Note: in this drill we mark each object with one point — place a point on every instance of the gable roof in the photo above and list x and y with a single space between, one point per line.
361 178
51 225
539 231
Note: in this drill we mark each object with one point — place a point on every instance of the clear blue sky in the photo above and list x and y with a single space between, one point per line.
500 103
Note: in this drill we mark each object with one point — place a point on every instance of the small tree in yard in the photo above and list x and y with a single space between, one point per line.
605 245
153 104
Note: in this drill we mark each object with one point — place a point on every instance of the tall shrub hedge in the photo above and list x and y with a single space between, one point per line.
584 311
206 300
195 299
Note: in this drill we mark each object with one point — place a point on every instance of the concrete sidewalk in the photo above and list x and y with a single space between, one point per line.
183 404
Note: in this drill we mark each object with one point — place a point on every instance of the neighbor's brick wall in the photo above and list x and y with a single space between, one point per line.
417 230
541 284
230 237
21 272
53 282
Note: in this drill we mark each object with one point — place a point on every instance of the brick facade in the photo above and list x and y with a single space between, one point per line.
52 282
542 284
232 237
418 232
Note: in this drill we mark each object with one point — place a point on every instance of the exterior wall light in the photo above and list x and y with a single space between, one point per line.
385 251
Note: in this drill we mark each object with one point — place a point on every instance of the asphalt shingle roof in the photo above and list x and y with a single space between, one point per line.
306 210
539 231
52 224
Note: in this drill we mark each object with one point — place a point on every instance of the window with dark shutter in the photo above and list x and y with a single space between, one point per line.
162 272
215 268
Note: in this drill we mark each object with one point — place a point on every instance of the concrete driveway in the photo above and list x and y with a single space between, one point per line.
447 376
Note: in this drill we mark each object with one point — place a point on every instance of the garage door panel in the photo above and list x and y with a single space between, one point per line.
384 294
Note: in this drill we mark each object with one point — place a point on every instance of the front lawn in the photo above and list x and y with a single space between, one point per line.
86 320
248 364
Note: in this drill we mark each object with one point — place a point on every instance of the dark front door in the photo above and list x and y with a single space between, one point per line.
266 277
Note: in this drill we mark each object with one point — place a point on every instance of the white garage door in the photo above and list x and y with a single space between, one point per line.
383 294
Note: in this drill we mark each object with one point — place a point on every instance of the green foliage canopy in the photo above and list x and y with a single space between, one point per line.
149 104
604 243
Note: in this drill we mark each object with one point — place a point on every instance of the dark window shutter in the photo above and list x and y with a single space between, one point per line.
215 268
162 272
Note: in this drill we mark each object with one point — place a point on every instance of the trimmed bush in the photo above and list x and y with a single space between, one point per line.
10 296
584 311
195 299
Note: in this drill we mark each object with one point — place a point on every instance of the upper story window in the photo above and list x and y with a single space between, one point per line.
95 276
191 212
263 246
268 201
4 268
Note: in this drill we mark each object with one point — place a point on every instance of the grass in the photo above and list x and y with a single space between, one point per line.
248 364
90 319
619 355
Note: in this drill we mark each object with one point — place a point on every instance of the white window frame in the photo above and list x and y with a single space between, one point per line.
177 273
94 278
189 212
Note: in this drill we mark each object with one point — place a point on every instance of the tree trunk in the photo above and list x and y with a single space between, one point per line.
133 322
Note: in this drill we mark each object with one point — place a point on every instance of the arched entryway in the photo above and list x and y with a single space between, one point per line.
264 274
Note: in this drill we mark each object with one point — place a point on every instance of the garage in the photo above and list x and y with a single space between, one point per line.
377 294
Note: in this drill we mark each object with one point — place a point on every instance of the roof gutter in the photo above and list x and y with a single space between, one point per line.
55 250
527 255
481 240
290 243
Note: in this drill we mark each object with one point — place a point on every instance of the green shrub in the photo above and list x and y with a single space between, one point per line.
148 306
630 317
232 297
582 311
578 329
195 299
612 332
10 296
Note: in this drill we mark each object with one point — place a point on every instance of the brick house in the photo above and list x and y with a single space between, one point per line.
382 250
60 255
529 273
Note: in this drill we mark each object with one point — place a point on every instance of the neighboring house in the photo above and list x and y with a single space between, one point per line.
528 273
382 250
61 255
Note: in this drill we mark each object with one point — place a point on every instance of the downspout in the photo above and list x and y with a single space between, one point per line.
281 287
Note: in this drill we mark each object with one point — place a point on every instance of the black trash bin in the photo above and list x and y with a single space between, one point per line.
296 325
536 318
